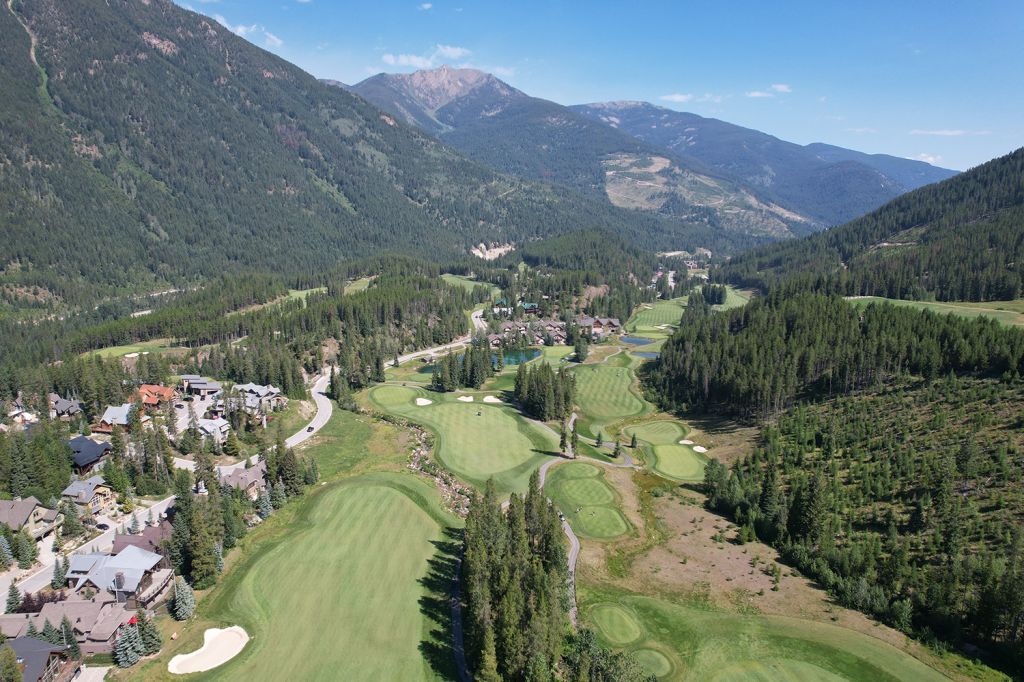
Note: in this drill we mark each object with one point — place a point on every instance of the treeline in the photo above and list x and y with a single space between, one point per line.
259 364
465 370
903 502
958 240
756 360
543 393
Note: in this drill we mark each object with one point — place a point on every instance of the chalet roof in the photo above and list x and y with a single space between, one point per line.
149 538
213 426
15 513
104 570
268 391
117 415
242 478
86 451
33 656
63 406
154 394
82 491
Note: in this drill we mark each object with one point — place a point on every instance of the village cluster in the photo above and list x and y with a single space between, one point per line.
104 583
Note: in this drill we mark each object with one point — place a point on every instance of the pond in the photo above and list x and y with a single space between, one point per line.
649 355
517 357
636 340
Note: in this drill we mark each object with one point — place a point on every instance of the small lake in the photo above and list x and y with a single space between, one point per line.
649 355
517 357
636 340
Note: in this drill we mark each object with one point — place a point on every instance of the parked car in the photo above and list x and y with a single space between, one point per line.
309 429
102 526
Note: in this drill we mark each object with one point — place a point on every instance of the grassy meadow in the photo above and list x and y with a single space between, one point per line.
1010 313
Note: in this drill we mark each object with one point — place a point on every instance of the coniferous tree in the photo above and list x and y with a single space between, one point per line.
13 598
184 599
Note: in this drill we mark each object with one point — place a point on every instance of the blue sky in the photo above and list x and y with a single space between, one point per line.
940 81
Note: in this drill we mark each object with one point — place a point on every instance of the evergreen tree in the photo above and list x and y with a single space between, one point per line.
10 671
184 600
59 580
6 556
149 634
128 649
265 508
632 442
278 496
52 634
68 638
13 598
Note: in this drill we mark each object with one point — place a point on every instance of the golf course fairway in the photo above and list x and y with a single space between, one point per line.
475 440
671 459
589 504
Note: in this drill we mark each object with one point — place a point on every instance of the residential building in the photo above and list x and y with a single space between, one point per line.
600 327
91 496
39 660
214 429
195 385
133 575
29 514
150 538
258 399
118 415
64 409
19 414
154 396
95 621
250 481
87 454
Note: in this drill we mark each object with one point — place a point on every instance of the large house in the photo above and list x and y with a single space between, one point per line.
535 332
195 385
150 538
19 414
215 429
87 454
154 396
91 496
259 399
118 415
133 575
96 621
38 660
64 409
251 481
29 514
600 327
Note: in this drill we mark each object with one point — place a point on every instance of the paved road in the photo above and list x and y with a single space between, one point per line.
478 325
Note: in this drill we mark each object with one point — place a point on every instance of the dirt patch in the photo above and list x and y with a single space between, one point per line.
485 252
729 439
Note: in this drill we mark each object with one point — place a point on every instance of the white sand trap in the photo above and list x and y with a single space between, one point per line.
699 448
686 442
423 402
466 398
219 647
492 399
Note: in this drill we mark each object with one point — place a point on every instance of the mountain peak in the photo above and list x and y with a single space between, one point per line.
435 88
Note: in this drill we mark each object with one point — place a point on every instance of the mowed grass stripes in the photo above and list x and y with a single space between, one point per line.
589 504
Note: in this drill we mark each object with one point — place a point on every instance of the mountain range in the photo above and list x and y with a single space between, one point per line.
641 156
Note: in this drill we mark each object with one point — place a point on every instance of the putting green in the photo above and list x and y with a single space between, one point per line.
655 662
616 624
354 563
653 318
671 459
589 504
703 644
475 440
604 394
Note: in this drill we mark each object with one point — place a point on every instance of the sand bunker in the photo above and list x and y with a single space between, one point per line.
699 448
423 402
686 442
219 647
491 399
466 398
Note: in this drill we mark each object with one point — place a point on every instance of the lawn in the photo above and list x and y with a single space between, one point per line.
604 395
468 283
651 318
581 486
303 294
1010 313
474 440
671 458
339 595
361 284
152 346
680 642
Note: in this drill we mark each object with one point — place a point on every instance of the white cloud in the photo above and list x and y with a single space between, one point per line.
250 31
861 131
451 52
928 158
949 133
425 6
677 97
439 54
301 2
682 98
759 93
781 87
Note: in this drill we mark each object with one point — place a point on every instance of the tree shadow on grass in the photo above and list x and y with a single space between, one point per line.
436 605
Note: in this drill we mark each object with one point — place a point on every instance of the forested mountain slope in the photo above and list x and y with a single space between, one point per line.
962 239
153 145
533 138
825 183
